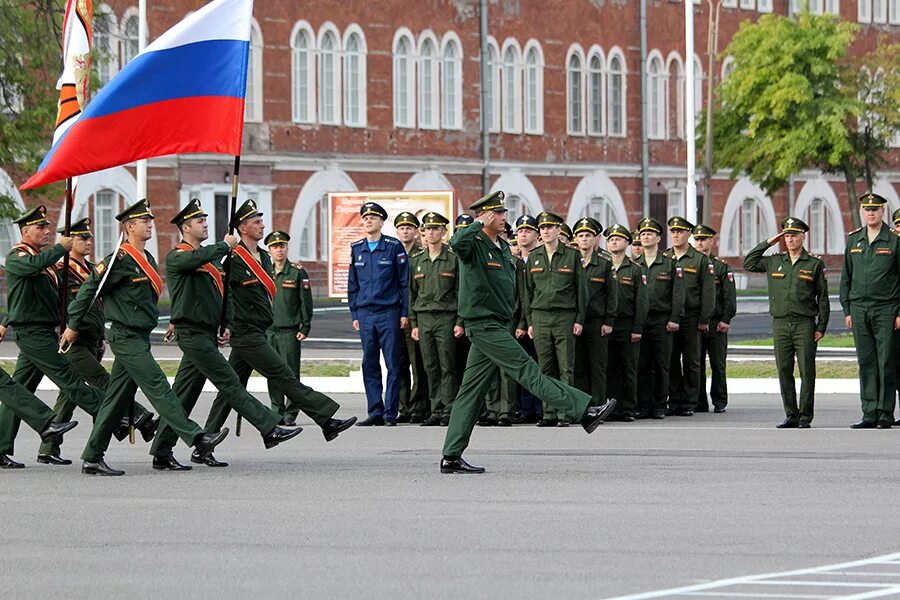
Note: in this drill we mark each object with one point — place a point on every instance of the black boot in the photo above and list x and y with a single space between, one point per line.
100 468
280 434
594 415
334 427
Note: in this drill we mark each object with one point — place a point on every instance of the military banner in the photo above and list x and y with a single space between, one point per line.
345 227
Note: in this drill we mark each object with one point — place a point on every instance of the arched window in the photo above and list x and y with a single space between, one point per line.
656 92
534 89
676 105
404 97
428 85
616 96
602 209
304 75
329 79
698 87
451 84
512 90
575 93
747 229
493 86
596 95
355 80
106 46
817 225
131 43
254 97
315 232
727 68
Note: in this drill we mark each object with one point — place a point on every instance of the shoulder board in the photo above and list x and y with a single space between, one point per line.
605 254
417 252
358 242
855 231
122 254
449 249
667 253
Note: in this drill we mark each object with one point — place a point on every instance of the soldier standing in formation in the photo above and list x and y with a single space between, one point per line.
799 305
413 376
870 297
528 237
636 248
714 341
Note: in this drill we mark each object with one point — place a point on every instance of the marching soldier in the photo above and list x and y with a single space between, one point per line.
714 342
130 292
433 315
197 287
799 305
870 297
631 312
462 344
487 288
413 375
699 302
292 312
378 294
557 297
253 290
665 291
591 347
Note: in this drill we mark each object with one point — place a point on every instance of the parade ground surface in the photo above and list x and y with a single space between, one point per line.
633 510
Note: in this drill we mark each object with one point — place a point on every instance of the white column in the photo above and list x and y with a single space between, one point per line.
690 190
142 43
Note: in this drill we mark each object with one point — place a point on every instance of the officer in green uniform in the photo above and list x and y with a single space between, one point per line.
896 219
130 286
87 351
636 248
487 296
714 342
565 232
530 409
462 344
632 305
556 287
414 401
699 302
253 289
292 312
433 289
665 292
870 297
591 347
197 287
33 301
799 305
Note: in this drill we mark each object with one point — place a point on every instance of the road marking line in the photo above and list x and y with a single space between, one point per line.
817 583
758 595
893 591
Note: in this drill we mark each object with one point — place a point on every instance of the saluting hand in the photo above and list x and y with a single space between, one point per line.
775 239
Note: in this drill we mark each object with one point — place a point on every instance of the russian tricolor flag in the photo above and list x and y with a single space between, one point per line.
184 93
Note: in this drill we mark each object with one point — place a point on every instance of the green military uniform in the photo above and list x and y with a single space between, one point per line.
33 300
252 288
632 304
591 347
487 296
799 305
896 219
433 293
699 302
414 400
713 342
130 295
870 295
502 401
557 298
665 293
196 284
292 312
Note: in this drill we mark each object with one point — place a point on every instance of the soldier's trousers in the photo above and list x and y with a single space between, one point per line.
873 332
202 361
250 351
653 365
24 405
897 361
684 366
591 352
622 368
414 388
438 347
284 342
714 345
38 356
133 368
795 336
528 405
493 350
555 345
502 400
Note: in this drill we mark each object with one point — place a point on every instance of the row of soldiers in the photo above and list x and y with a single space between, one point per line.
249 303
592 317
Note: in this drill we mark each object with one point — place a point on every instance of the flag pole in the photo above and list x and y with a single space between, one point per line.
231 227
64 286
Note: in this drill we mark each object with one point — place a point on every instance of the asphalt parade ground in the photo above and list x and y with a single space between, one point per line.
709 506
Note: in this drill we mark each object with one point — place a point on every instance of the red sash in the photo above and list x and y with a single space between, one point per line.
213 272
146 267
257 270
31 250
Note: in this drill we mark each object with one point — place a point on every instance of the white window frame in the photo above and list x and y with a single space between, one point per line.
105 226
894 12
833 7
864 11
106 70
494 89
749 229
764 6
748 4
817 215
656 97
675 59
511 87
131 43
303 58
698 88
727 68
451 91
533 103
253 101
575 98
404 77
329 32
729 3
355 88
616 54
596 76
879 11
428 81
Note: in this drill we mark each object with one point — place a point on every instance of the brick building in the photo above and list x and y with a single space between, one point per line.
382 94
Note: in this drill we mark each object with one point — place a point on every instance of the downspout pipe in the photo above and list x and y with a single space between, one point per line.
486 101
645 148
